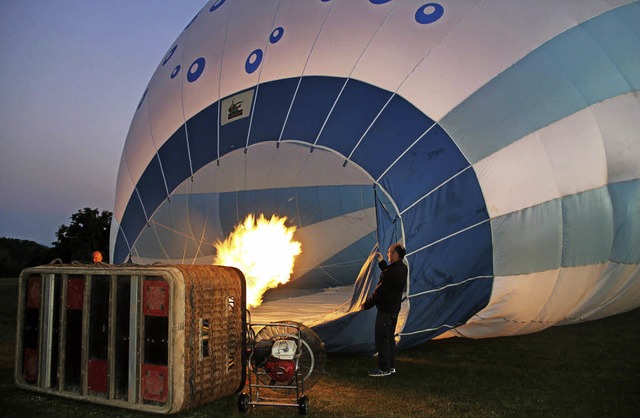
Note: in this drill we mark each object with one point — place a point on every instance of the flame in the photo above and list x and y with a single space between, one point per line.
265 252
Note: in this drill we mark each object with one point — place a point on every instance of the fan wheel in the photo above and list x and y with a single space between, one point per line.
243 402
303 405
312 360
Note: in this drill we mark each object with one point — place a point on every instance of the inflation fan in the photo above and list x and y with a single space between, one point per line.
284 359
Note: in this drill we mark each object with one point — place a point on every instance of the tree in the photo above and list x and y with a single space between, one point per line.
17 254
88 231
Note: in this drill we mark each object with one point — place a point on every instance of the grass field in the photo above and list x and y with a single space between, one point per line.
586 370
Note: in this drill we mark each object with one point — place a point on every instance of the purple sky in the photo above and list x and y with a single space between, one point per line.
71 75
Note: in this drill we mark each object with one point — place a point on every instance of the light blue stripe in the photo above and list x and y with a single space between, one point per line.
625 199
302 206
587 231
582 229
591 62
529 240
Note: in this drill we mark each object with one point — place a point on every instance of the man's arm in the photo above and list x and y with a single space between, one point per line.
383 265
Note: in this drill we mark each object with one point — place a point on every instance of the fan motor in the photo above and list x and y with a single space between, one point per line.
280 370
280 366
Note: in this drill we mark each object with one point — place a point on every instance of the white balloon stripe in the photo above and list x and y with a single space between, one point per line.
293 99
352 70
266 50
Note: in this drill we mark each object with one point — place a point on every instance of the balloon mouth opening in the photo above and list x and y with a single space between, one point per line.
332 208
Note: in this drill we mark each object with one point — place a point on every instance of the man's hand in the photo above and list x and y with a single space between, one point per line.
379 256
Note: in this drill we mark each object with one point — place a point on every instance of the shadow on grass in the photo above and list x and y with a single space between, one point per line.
589 369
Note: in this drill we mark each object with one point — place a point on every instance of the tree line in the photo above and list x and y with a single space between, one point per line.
88 231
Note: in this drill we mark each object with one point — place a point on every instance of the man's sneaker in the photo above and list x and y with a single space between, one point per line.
392 370
379 373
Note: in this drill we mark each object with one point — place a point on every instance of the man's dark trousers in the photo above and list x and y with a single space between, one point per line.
385 340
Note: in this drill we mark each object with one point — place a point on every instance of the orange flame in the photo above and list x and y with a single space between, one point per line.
265 252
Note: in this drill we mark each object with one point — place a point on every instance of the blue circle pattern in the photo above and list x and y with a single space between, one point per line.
195 70
250 66
379 1
276 35
217 4
424 18
169 54
175 71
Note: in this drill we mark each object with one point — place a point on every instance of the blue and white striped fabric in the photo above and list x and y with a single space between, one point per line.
503 135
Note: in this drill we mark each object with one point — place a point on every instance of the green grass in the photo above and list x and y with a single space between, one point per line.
585 370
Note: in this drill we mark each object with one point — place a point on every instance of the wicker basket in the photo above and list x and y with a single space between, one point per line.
153 338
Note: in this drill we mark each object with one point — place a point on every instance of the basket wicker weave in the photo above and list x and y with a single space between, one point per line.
174 334
211 377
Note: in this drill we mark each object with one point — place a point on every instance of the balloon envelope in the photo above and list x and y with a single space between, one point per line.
499 141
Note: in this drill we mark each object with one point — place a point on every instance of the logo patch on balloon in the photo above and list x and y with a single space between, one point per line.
236 107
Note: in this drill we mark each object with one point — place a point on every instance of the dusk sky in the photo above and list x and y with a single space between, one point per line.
72 74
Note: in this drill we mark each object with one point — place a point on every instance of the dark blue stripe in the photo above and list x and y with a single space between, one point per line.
428 164
452 306
397 127
133 221
311 106
271 109
203 136
452 208
120 250
454 260
151 187
175 159
357 107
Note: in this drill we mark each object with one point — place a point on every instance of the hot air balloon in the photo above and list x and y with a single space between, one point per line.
498 140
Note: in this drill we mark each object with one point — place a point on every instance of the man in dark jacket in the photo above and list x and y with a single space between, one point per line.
387 297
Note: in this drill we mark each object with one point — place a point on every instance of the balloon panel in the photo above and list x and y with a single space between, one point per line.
619 126
314 97
200 126
452 208
529 240
587 228
625 200
437 267
433 160
352 115
443 308
400 124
